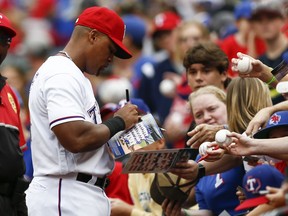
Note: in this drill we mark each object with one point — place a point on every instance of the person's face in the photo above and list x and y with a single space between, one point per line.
5 41
198 75
189 37
209 109
267 27
101 54
166 41
278 132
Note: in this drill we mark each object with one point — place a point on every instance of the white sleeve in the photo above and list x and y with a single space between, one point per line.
64 99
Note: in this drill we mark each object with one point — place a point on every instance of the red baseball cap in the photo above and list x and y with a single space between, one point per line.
166 21
6 24
107 22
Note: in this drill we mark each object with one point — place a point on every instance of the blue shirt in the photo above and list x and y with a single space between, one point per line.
218 192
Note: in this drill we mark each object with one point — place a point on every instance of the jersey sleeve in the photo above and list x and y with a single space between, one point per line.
64 99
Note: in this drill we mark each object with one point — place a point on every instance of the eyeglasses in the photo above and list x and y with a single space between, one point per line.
5 40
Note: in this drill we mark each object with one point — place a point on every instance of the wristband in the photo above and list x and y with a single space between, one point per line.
201 171
271 80
115 125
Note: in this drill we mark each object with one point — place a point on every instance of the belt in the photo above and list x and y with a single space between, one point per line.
100 182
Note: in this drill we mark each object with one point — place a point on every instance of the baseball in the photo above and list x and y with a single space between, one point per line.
167 87
203 148
221 137
244 65
282 87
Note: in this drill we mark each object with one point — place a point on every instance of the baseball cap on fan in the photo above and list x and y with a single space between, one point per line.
5 25
278 119
256 180
171 186
166 21
107 22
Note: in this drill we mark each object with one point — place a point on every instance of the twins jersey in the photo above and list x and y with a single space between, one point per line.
61 93
218 192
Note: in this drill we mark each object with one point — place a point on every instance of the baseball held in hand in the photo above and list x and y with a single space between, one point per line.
167 87
203 148
221 137
244 65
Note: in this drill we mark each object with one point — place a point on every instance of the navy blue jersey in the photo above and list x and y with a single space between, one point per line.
218 192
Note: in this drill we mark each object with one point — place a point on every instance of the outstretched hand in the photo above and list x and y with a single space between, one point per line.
258 68
242 145
259 121
202 133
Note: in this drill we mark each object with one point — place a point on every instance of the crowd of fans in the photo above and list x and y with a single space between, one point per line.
178 48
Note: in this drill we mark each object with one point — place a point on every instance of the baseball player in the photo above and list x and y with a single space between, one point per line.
12 167
69 152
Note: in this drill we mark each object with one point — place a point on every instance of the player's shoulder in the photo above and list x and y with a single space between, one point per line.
59 66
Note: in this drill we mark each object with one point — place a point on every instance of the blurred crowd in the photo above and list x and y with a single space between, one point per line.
179 48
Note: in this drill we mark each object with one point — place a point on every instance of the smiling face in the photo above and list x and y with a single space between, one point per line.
208 109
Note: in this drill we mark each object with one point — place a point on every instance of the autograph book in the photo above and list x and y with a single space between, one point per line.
145 132
158 161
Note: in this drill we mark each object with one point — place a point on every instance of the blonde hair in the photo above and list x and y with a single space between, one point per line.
245 97
213 90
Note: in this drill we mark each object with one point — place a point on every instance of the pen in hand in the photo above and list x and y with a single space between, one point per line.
127 95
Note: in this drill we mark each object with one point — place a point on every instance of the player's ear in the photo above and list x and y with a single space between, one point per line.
94 35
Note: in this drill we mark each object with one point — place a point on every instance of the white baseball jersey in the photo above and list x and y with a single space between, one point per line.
61 93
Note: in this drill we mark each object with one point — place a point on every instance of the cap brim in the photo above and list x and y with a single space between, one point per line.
253 202
262 134
9 30
155 193
122 52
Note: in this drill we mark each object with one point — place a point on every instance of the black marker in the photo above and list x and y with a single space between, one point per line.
127 95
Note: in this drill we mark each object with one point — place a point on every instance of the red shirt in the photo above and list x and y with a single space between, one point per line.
230 46
118 186
10 112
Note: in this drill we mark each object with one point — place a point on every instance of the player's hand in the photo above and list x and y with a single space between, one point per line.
187 170
129 114
120 208
202 133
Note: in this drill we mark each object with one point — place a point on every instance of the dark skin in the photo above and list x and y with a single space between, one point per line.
91 51
4 46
